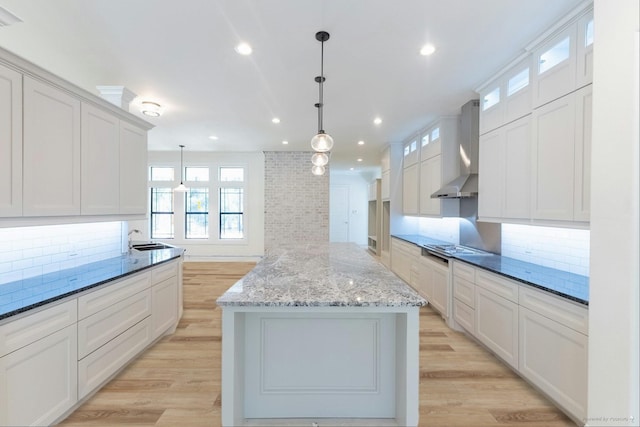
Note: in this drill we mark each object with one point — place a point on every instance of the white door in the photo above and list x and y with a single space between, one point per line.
339 213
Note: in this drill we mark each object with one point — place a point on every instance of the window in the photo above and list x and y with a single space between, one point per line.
161 213
518 82
197 212
491 99
232 174
197 174
161 174
231 213
554 56
588 33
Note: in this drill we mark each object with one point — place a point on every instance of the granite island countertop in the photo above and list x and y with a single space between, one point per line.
320 275
26 294
562 283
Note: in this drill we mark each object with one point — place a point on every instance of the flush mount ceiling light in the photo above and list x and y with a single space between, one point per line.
181 188
377 121
322 142
275 120
151 109
360 142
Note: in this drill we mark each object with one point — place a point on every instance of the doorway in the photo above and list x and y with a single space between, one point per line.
339 213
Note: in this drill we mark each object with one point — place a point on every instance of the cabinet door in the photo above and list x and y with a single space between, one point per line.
517 88
497 325
385 190
425 282
40 380
553 158
164 300
10 143
133 169
582 191
440 296
516 195
430 182
561 373
584 58
555 67
490 173
491 107
100 162
410 194
51 147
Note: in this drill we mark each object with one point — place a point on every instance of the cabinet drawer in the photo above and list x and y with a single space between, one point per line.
107 296
464 291
567 313
97 330
464 271
97 367
498 285
465 316
410 249
28 329
163 272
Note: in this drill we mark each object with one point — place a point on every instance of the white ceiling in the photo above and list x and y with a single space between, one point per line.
181 54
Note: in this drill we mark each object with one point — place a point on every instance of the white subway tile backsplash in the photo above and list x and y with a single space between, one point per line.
33 251
565 249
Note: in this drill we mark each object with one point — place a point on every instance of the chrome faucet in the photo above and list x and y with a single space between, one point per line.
135 230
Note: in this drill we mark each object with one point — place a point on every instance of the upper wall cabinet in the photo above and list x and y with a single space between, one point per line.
100 162
133 169
564 63
10 142
411 152
507 98
51 150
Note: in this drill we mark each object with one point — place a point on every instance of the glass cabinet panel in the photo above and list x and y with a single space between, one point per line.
554 56
518 82
491 99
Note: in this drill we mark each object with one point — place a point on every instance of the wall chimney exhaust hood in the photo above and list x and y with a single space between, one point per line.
466 184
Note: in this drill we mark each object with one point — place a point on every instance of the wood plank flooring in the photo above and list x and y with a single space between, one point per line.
177 382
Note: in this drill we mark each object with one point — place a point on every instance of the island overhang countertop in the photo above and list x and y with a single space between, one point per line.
320 275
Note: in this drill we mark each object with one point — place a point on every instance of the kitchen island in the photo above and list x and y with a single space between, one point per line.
320 333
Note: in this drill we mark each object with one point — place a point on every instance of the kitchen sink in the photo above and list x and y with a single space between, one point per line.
150 246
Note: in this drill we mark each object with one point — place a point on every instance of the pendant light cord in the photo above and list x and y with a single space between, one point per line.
181 166
321 127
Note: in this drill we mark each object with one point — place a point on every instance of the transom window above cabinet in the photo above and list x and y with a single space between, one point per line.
555 55
411 152
161 174
518 82
425 140
588 33
435 134
490 99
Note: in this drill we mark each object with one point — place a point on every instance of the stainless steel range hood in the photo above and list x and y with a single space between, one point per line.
466 184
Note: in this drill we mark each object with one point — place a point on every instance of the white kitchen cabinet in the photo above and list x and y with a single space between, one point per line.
410 194
507 97
464 297
430 182
496 324
100 162
434 279
555 67
133 169
10 142
584 59
38 366
404 257
582 175
165 298
385 185
411 152
505 172
51 150
561 139
560 373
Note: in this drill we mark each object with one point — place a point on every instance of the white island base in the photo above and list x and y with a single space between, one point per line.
336 365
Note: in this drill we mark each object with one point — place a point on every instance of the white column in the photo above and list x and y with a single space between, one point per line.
614 298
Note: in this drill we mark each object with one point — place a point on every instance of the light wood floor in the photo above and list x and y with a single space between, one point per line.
177 382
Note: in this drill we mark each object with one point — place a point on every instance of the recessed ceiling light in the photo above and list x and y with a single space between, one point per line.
360 142
427 50
377 121
275 120
359 160
213 137
285 142
244 49
351 169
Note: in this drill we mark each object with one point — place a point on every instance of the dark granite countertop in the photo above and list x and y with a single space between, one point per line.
23 295
567 285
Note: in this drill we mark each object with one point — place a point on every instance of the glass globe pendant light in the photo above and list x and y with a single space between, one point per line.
322 142
319 159
317 170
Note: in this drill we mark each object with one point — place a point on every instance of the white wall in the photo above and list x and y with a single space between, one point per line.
358 203
614 335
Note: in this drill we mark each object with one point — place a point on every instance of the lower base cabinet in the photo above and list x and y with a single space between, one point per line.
164 308
497 325
38 382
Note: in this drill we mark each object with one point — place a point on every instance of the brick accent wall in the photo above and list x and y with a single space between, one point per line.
296 201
